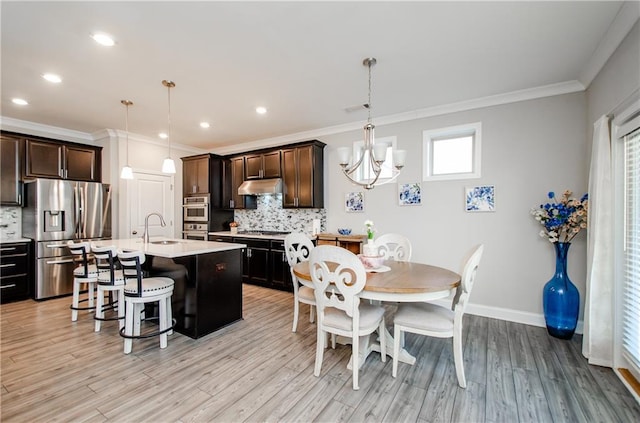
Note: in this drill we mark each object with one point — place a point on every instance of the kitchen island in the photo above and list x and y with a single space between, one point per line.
208 279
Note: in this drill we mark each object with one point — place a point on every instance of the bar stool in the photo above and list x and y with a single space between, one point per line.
84 276
139 291
110 280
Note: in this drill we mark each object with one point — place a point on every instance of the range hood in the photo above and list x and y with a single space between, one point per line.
261 186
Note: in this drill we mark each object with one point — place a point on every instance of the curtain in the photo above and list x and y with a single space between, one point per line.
597 341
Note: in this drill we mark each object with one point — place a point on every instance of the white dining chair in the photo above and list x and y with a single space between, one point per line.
394 247
438 321
297 248
339 276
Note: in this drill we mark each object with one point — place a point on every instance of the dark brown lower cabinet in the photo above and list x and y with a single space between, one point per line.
15 271
264 262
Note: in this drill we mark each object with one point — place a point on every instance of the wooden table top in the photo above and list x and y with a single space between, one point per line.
403 278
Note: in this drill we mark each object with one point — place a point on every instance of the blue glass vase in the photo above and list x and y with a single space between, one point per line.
560 298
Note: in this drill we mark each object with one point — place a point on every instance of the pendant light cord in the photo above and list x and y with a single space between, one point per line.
169 117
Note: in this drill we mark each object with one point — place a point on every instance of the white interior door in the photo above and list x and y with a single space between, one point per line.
150 193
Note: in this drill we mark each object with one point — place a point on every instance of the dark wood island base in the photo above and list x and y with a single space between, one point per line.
207 292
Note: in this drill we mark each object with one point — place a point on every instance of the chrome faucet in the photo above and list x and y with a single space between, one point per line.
145 235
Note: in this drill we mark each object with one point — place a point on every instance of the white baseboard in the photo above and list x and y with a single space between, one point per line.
509 315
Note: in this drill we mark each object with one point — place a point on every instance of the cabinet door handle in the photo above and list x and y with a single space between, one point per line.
8 265
8 286
8 249
59 261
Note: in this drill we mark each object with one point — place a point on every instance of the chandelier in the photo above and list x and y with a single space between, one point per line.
368 168
168 166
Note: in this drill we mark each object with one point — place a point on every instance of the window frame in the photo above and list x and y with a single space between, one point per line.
433 135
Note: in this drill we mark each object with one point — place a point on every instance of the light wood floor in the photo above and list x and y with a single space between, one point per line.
258 370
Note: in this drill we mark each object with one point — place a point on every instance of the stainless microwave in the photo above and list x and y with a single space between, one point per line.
195 209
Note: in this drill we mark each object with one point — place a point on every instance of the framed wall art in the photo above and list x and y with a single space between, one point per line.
480 198
409 194
354 202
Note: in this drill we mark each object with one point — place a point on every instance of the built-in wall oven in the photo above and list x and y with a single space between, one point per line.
197 231
195 209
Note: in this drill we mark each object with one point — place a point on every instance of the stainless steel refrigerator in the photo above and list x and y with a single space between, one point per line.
55 212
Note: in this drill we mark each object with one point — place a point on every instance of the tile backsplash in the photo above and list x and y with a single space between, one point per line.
270 216
10 223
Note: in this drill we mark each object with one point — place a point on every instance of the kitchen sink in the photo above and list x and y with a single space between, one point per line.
165 242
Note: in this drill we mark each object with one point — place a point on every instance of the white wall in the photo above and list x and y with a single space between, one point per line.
528 149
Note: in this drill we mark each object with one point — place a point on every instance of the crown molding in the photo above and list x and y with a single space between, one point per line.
41 130
567 87
624 21
117 134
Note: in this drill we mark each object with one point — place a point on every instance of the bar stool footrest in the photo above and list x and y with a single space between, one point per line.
152 334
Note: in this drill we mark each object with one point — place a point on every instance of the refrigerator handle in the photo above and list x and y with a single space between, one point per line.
83 218
76 209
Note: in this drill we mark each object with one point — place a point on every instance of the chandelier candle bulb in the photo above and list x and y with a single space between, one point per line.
344 155
380 152
399 156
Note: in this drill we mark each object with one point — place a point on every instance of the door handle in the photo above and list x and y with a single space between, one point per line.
134 233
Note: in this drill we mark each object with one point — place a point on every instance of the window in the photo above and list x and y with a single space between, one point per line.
364 173
629 271
452 153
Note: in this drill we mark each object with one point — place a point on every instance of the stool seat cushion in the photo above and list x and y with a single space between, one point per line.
92 271
104 278
150 286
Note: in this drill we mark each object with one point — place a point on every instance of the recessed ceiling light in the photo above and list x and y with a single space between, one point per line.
20 102
204 125
103 39
261 110
163 135
52 77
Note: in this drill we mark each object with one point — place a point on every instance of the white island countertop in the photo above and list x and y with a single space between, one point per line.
176 247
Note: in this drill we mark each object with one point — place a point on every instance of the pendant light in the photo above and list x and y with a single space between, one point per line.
373 154
168 166
127 172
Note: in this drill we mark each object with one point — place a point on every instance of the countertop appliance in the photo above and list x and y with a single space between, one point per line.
55 212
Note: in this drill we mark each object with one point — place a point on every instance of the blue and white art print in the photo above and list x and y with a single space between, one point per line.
409 194
480 199
354 202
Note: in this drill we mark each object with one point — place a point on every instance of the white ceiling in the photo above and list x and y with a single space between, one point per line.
302 60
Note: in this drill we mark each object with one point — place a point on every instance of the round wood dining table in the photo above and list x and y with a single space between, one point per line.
403 282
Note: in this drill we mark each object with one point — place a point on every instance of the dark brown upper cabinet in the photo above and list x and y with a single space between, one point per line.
11 188
263 165
233 177
59 160
303 176
195 175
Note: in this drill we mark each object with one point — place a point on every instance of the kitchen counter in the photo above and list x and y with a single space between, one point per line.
239 235
182 247
207 293
9 241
